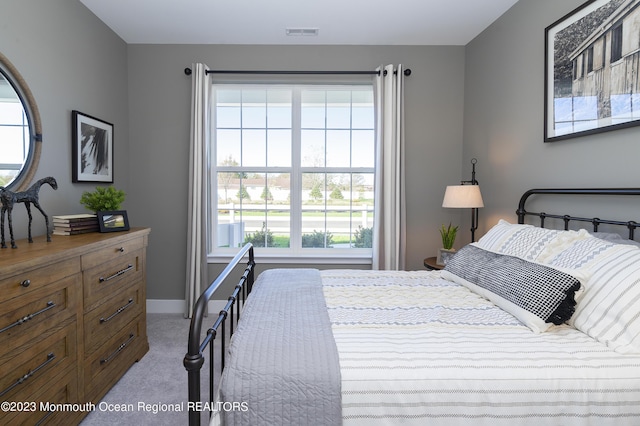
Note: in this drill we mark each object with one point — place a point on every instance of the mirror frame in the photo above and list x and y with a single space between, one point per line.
24 178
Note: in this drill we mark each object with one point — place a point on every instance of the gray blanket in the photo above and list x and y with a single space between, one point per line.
283 366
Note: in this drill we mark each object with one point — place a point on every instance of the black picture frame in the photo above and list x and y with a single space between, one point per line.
92 149
113 221
589 56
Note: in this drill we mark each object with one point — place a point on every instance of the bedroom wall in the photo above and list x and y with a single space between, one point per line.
159 106
70 60
503 123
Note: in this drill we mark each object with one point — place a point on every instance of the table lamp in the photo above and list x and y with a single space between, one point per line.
466 196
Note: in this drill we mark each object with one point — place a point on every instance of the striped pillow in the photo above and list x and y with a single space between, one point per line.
609 308
528 242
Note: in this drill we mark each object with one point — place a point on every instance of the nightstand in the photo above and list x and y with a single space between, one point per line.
430 263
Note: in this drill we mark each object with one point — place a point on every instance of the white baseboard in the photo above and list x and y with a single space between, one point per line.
166 306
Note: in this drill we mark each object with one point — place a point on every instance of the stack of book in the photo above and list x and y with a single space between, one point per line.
73 224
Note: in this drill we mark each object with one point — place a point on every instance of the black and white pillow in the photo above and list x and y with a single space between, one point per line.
537 295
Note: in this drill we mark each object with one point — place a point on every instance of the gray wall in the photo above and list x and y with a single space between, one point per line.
503 122
70 60
159 106
484 100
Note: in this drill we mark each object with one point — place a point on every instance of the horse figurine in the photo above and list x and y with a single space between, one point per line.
9 198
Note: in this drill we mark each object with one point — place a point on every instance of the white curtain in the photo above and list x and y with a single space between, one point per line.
196 226
389 237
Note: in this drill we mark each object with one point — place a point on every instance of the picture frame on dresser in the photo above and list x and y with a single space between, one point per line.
591 55
91 149
113 221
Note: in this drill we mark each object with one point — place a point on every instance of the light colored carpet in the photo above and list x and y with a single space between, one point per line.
157 384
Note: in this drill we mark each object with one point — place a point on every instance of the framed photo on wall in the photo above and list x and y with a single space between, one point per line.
92 149
592 60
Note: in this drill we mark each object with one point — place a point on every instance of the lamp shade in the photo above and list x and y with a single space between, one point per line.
463 196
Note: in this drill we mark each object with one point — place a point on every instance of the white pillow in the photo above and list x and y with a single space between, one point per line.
609 308
528 242
615 238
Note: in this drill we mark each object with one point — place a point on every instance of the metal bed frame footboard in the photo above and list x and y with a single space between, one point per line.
194 360
631 225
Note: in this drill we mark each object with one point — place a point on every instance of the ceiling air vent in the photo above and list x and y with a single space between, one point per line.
302 31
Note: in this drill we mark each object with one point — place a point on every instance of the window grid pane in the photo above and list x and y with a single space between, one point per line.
256 133
14 140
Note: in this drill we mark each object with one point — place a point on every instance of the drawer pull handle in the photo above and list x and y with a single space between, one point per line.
50 357
50 305
119 311
44 419
121 249
117 274
117 351
25 283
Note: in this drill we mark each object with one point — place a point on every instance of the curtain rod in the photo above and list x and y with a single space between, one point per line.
187 71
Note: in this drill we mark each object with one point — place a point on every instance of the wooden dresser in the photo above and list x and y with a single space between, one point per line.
72 322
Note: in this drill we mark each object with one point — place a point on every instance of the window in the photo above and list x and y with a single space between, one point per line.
604 50
589 55
616 43
14 133
294 169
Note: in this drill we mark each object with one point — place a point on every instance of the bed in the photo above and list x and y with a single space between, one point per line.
527 326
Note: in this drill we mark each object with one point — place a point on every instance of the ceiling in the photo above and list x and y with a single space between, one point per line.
342 22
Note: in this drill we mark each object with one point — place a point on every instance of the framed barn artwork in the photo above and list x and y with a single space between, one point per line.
592 68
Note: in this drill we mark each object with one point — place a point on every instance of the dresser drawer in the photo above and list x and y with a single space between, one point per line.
111 252
33 365
72 322
35 279
106 320
106 365
102 282
27 317
62 389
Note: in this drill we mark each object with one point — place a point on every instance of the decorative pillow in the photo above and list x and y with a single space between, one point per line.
615 238
609 310
580 254
499 233
537 295
528 242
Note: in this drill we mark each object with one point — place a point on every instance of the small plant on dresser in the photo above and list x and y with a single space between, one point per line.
103 199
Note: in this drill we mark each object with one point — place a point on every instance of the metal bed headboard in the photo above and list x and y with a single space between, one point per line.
595 222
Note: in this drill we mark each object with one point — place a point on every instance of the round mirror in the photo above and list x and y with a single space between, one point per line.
20 129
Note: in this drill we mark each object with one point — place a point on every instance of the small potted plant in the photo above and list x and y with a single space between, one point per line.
102 199
448 234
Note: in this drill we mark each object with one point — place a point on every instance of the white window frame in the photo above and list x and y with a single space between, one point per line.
295 254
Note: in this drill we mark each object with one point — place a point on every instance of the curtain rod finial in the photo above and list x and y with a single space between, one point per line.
187 71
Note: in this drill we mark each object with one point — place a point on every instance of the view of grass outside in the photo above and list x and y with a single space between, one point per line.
336 208
294 166
340 225
362 238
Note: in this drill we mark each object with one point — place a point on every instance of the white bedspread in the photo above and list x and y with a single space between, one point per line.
418 350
